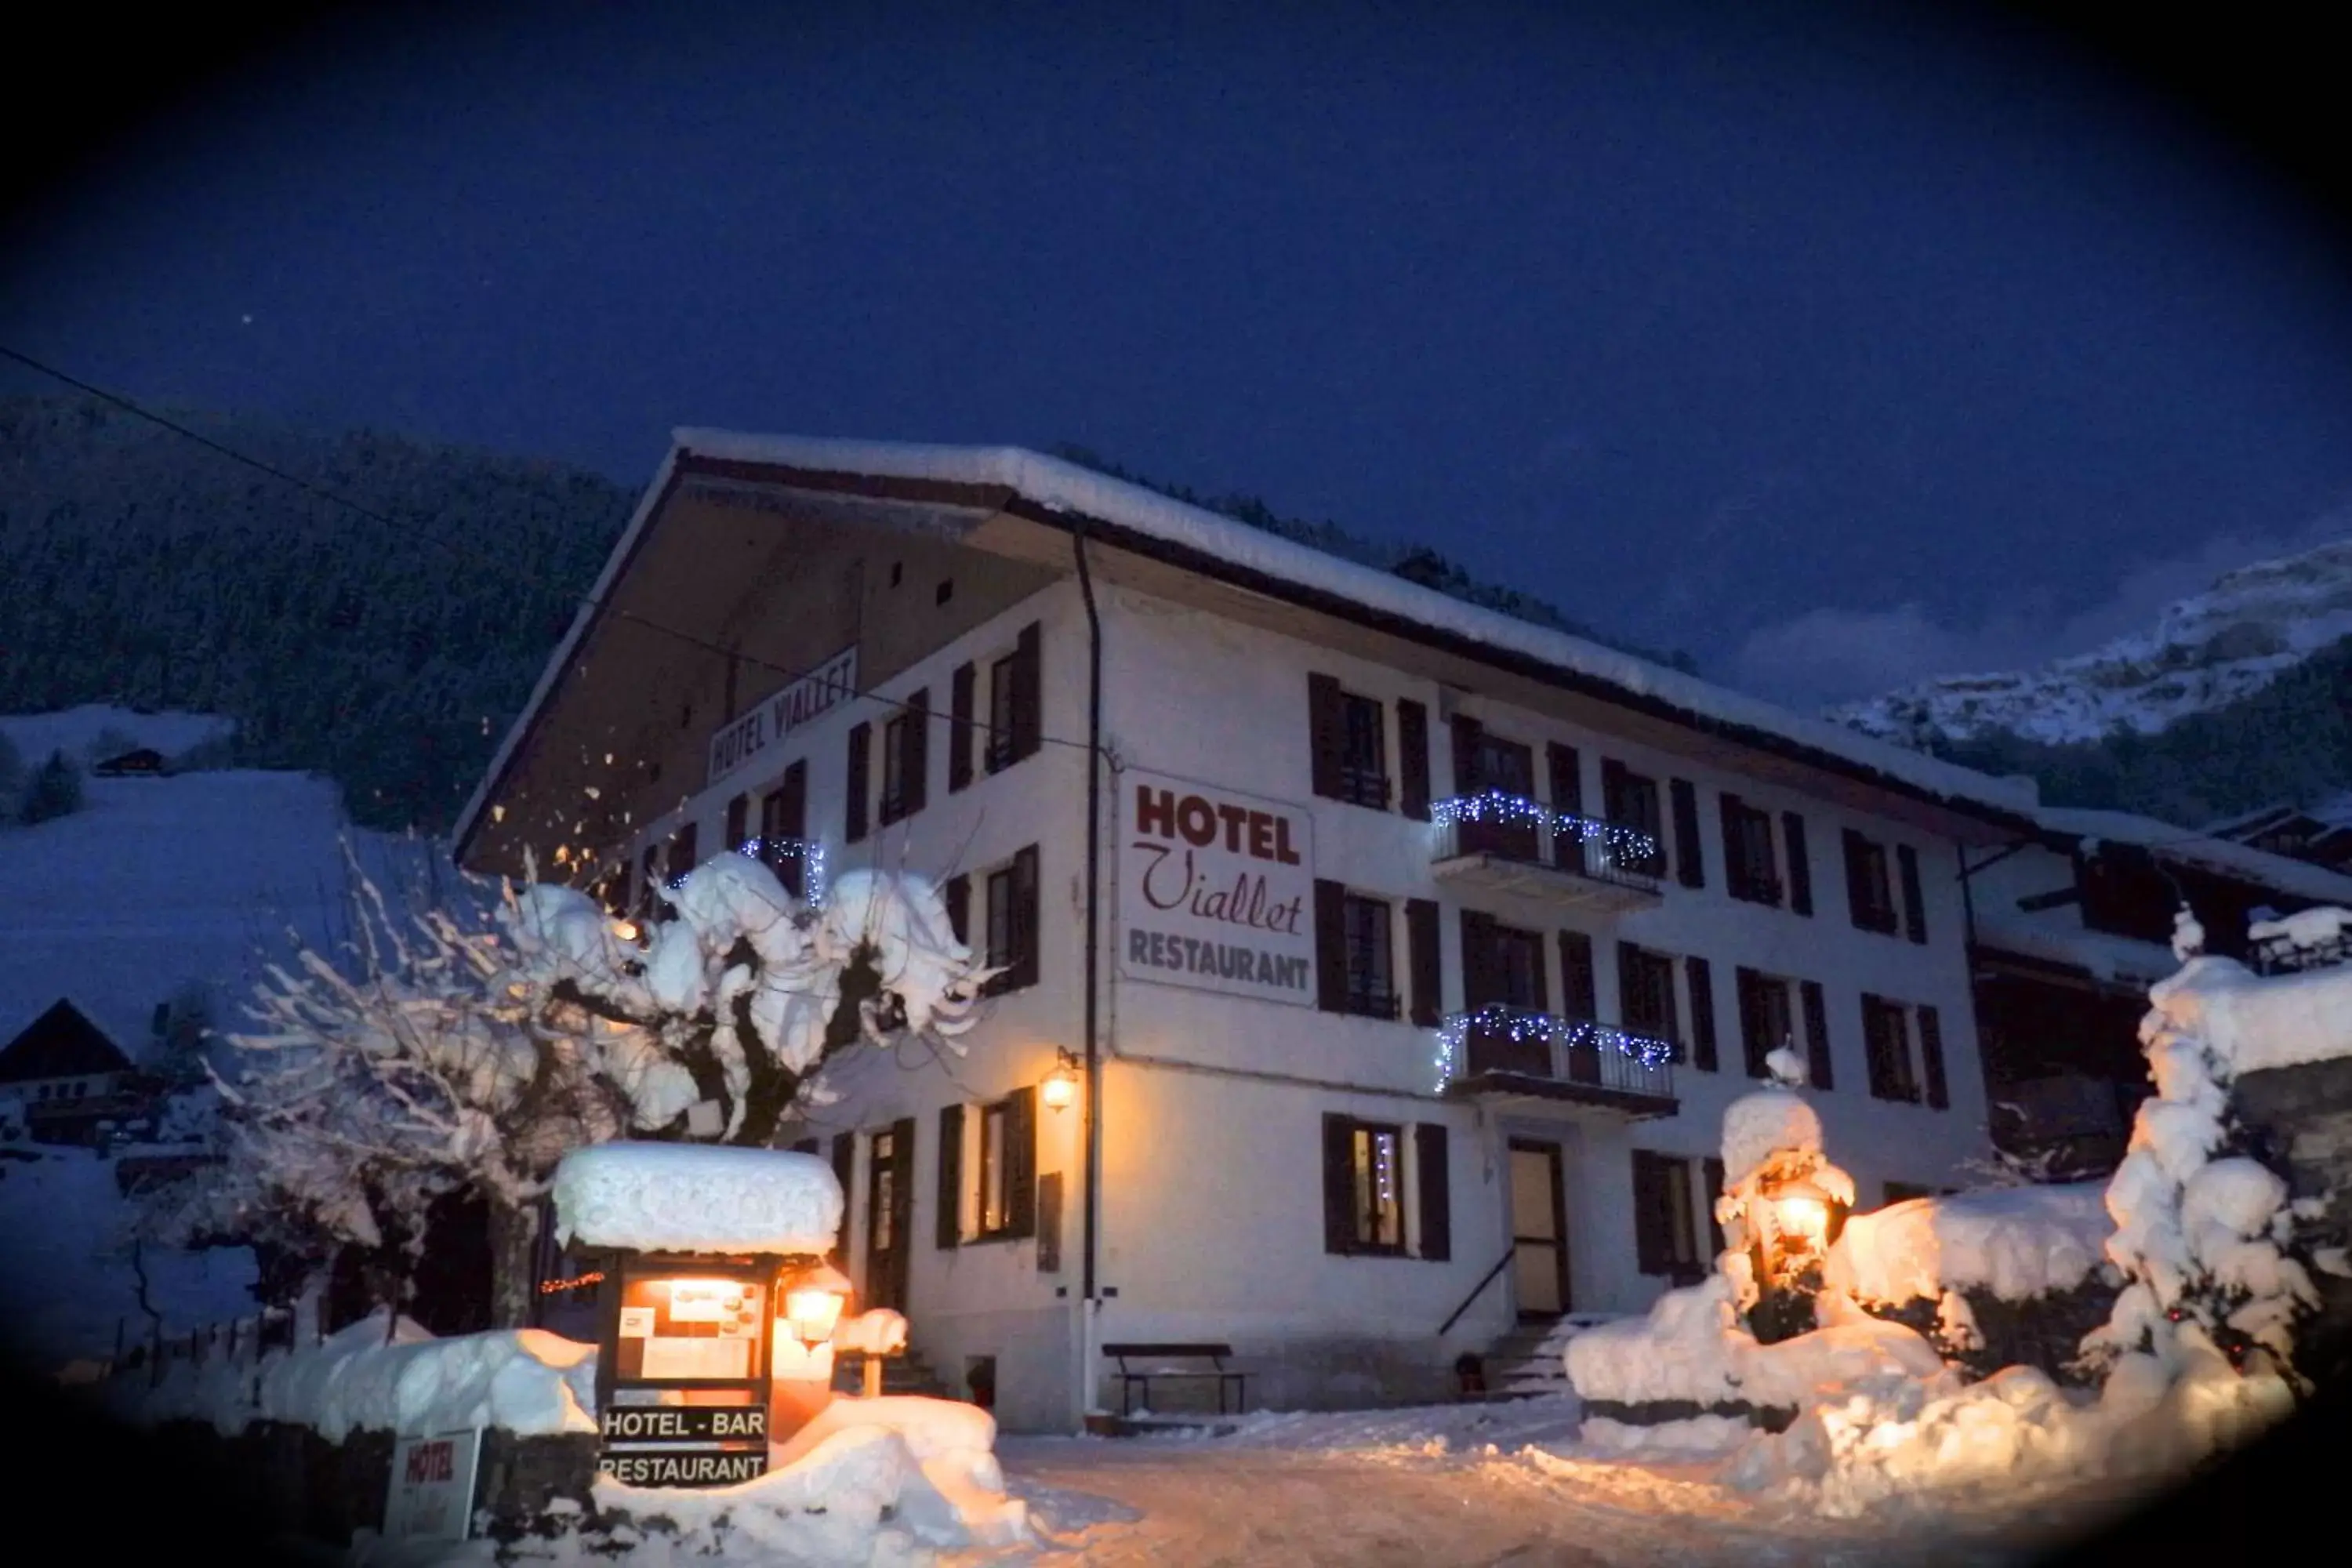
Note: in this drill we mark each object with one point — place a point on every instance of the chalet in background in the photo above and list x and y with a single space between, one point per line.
70 1082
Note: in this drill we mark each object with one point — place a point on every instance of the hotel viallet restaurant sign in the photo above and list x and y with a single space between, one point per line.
1216 890
739 742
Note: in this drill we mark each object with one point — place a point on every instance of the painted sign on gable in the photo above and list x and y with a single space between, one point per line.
739 742
1216 889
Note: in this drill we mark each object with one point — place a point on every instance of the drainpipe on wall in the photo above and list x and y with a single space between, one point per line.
1091 1134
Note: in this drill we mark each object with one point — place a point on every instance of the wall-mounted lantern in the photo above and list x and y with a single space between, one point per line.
814 1298
1060 1089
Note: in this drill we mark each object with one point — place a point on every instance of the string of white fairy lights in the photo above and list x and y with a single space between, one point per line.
1522 1025
1505 809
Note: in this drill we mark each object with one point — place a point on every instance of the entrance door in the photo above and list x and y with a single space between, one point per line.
1539 1230
889 1200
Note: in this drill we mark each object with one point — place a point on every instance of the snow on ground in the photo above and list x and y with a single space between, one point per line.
696 1197
2016 1242
75 731
68 1280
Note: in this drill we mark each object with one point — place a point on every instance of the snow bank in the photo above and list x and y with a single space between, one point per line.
2014 1242
696 1197
1758 1125
957 1497
1691 1347
361 1378
2256 1022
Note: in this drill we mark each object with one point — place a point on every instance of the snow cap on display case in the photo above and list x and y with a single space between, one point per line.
697 1198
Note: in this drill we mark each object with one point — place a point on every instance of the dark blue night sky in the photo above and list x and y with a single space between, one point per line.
1836 351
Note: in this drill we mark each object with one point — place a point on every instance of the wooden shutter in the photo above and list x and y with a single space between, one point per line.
1931 1056
902 1205
792 818
1576 998
1857 879
1478 986
1915 908
1413 759
1049 1223
1023 971
845 1166
1632 983
1690 866
1712 1170
738 823
1338 1185
914 766
1755 1021
1325 734
1542 970
1654 1236
1433 1182
957 895
1565 770
950 1193
1421 955
1467 732
1330 945
1876 1068
1819 1070
861 766
1801 862
1735 867
1028 691
1021 1162
1701 976
960 689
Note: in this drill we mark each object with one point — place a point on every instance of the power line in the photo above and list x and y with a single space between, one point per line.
458 552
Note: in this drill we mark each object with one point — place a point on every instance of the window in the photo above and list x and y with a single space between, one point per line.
1869 888
906 754
685 854
1886 1044
1015 708
894 768
1645 994
1363 1186
1372 987
784 823
81 1088
991 1180
1767 1022
1665 1215
1503 965
649 882
739 825
1013 923
1347 741
992 1169
1751 870
1628 799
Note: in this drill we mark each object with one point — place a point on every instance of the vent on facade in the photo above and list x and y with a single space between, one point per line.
947 591
897 570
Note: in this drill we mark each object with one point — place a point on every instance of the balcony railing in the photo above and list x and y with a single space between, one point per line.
1501 1049
1525 846
1364 786
2284 955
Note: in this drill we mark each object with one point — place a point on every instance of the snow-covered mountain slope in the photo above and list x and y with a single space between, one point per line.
2205 651
159 882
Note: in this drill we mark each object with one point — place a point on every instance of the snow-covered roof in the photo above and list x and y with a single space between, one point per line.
2117 958
2221 855
1052 486
696 1197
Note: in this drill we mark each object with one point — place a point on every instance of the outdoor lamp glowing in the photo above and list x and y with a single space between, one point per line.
813 1303
1060 1089
1802 1209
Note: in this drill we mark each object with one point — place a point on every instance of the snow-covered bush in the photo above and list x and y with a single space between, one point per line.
449 1049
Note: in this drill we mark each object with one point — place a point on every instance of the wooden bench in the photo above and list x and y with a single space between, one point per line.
1140 1365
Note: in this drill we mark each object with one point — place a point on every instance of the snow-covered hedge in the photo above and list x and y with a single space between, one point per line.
696 1197
2013 1243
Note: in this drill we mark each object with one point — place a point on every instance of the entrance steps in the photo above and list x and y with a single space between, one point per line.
1532 1358
907 1372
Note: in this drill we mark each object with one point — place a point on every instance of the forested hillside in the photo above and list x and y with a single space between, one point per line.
145 570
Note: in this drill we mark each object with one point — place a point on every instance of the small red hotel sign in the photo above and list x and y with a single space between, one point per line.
432 1493
739 742
1216 889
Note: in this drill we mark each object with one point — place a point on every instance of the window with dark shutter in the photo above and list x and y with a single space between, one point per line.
949 1226
1690 867
1372 983
1363 1186
1749 867
1664 1239
1564 771
894 768
1324 736
1363 752
1338 1185
685 855
1016 701
1887 1045
739 825
858 785
783 825
1800 864
1915 907
957 895
1433 1187
1765 1019
1413 759
1628 799
1869 896
1577 995
844 1161
915 760
997 753
1420 938
1645 994
1700 976
1820 1066
1010 1200
1330 945
1013 923
963 686
1467 732
1931 1057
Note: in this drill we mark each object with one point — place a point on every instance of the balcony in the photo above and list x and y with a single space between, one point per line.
1503 1052
1508 844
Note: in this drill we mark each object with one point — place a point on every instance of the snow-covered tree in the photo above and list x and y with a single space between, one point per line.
445 1051
53 789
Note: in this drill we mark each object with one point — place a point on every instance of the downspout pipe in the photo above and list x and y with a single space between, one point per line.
1091 1132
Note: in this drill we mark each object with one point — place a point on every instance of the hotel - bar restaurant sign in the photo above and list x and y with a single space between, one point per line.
739 742
1216 889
